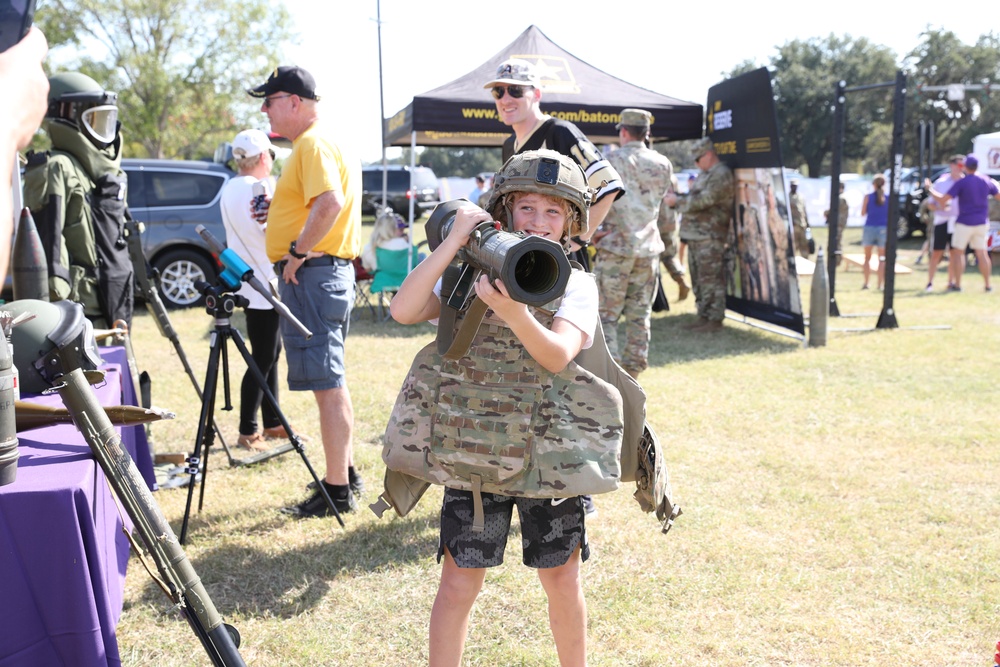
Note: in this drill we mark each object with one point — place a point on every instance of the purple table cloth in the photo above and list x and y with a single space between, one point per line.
63 554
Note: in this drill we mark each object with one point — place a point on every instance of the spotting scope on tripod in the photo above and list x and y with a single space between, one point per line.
236 270
221 302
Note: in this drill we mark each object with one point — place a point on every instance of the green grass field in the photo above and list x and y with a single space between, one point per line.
840 507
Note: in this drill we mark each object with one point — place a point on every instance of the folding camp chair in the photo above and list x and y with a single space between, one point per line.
392 270
363 298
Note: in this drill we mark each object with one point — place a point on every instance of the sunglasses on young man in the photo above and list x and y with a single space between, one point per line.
517 92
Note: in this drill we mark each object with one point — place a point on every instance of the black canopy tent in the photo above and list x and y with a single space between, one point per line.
462 113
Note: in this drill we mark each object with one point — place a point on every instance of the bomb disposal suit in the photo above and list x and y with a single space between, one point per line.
488 418
76 193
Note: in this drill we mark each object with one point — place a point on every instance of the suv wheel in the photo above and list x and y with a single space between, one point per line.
179 271
903 230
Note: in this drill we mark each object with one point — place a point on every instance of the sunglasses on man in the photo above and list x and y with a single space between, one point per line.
517 92
268 101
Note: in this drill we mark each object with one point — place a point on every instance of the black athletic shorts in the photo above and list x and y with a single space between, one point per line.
551 529
941 237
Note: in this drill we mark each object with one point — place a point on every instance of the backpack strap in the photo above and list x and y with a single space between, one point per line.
456 292
466 331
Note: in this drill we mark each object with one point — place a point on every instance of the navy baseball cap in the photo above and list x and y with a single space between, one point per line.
287 79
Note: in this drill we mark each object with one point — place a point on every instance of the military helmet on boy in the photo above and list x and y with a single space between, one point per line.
543 172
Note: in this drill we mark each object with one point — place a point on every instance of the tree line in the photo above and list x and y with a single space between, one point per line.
181 66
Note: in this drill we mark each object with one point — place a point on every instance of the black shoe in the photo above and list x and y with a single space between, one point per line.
316 506
353 480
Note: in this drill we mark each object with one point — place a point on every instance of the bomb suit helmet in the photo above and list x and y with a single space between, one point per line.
80 102
543 172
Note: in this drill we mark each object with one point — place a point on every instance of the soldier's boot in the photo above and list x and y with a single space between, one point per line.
710 326
700 322
683 289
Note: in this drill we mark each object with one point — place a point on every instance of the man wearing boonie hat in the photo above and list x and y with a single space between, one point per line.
629 250
313 234
254 156
707 209
973 195
517 91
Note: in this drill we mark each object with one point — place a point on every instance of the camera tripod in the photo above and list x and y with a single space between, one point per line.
221 303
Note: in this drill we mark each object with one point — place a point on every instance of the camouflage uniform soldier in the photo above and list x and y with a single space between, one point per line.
707 210
629 249
667 224
800 219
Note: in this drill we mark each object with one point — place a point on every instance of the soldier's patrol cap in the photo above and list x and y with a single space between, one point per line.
517 72
701 147
634 118
794 181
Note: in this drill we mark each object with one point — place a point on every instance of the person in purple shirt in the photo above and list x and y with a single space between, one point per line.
973 195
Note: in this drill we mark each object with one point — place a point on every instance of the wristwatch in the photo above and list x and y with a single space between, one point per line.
580 242
294 253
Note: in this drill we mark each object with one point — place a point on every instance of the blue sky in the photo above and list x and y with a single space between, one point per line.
661 47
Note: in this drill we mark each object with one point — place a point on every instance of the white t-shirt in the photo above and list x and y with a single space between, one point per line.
246 236
949 212
578 305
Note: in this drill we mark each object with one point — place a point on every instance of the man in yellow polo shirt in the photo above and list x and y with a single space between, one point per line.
313 233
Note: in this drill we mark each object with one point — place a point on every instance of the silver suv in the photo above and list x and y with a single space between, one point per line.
171 198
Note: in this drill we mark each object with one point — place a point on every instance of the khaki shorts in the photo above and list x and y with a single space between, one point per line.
971 236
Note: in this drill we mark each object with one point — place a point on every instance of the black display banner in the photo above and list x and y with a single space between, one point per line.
761 280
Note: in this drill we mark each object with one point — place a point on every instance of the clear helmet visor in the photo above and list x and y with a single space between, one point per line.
101 122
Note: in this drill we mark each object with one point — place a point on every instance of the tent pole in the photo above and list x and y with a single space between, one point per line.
381 101
409 227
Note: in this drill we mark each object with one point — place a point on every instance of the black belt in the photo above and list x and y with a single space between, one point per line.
325 260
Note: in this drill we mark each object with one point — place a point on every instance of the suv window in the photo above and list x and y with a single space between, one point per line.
172 198
424 178
169 188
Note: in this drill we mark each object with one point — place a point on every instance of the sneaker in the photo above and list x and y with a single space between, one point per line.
279 433
354 481
254 442
276 433
929 288
989 288
864 287
588 506
952 287
316 505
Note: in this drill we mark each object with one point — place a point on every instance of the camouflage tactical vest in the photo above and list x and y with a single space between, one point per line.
496 421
